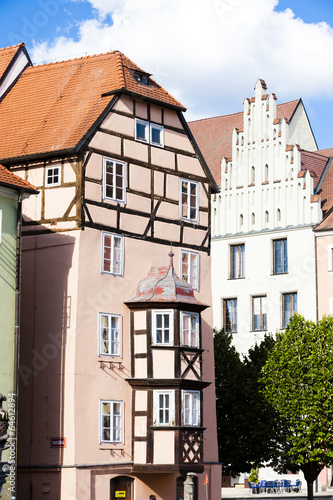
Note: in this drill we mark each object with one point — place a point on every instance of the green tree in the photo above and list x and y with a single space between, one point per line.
298 381
246 422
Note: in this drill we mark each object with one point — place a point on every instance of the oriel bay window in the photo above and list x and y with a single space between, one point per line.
112 254
164 407
111 421
189 200
259 320
191 408
163 327
109 334
189 329
114 180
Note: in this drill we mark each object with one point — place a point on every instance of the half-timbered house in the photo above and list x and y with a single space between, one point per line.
117 390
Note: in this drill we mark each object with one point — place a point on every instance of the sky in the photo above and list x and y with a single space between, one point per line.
207 53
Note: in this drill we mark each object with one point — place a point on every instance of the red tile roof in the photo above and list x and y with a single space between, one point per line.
314 162
326 152
52 106
214 135
11 180
6 56
163 285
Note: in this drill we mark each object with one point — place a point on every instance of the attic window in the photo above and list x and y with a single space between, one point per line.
53 176
141 78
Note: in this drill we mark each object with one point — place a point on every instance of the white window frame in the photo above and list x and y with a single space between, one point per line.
114 176
240 262
234 314
52 184
330 257
193 419
169 312
112 416
283 307
157 409
110 340
262 312
197 340
190 278
284 268
149 126
111 271
188 198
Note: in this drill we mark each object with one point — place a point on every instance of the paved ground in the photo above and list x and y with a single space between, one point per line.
245 493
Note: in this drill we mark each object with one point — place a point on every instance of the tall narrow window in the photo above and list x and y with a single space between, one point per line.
114 173
191 408
280 256
241 222
164 407
266 173
237 257
189 329
289 307
190 268
109 334
259 313
111 421
112 254
163 327
230 315
189 202
253 175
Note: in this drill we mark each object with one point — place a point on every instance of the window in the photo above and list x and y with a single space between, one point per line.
114 184
266 173
259 313
189 329
253 175
280 256
111 422
112 255
289 306
237 255
164 408
189 200
141 78
191 408
53 176
230 315
163 327
151 133
110 334
189 268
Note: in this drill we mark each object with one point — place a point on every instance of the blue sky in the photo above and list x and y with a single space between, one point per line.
207 53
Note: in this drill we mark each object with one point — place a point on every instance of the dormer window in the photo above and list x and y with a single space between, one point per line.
141 78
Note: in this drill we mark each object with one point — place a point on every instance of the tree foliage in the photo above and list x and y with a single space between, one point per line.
246 422
298 382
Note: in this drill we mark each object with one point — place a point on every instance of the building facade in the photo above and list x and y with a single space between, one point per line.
103 385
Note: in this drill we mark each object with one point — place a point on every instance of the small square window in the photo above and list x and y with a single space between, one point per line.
289 307
189 200
163 327
259 318
189 329
109 334
114 180
112 254
111 421
189 268
191 408
230 315
280 256
53 176
164 408
141 78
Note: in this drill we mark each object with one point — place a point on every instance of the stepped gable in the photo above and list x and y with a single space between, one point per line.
53 106
9 179
214 135
163 285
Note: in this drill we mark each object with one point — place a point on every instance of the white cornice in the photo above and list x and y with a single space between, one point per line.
263 232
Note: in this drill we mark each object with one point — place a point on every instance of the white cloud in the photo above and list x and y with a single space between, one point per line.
209 53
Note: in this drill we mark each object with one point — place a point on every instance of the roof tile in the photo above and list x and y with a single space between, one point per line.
9 179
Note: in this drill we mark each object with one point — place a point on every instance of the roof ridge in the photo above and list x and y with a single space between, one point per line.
120 67
22 44
75 59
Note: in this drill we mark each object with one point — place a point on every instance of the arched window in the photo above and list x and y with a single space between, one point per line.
266 173
226 183
278 216
253 220
253 175
241 221
266 217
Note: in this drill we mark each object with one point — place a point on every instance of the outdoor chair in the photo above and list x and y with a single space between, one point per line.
277 486
262 486
269 486
297 486
285 485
